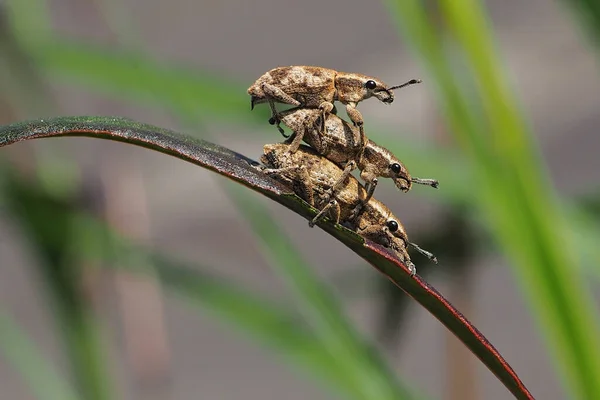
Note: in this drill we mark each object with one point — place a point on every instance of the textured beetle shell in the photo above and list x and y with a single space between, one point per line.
323 175
340 143
311 86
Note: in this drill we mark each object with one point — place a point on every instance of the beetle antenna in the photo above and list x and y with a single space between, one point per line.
424 252
423 181
411 82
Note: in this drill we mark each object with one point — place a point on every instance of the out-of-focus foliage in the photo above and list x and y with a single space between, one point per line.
512 187
514 206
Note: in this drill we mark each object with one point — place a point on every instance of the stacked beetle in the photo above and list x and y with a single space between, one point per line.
321 173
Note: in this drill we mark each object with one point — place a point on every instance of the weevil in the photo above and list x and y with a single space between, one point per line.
339 142
314 179
318 87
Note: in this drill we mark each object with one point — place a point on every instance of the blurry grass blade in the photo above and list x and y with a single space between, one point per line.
41 378
513 188
239 168
557 292
92 241
371 373
121 22
30 19
125 74
62 279
586 234
273 325
589 13
22 88
416 24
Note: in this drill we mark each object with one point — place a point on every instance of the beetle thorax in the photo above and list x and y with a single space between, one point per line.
350 87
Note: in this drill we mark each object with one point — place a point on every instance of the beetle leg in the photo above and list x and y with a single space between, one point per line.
275 94
276 119
370 179
357 119
333 208
315 136
326 107
370 184
307 129
296 140
341 182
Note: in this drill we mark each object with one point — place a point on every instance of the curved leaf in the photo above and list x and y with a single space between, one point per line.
239 168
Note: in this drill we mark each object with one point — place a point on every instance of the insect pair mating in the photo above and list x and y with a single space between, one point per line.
322 175
317 87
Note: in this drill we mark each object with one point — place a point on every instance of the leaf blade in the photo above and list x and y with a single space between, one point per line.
237 167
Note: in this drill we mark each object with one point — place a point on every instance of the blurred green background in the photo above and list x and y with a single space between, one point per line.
195 288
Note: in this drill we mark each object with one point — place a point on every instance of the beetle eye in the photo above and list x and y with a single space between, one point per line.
395 167
370 85
392 225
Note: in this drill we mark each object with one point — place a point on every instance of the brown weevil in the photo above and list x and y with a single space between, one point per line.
318 87
315 179
339 142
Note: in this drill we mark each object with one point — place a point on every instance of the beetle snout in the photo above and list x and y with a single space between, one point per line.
402 184
398 245
385 96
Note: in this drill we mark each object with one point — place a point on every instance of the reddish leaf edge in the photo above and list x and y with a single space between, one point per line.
241 169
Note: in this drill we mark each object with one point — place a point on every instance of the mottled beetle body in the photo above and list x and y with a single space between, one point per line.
314 179
340 143
317 87
306 86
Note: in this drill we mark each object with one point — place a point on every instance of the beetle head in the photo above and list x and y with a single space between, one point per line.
379 161
357 87
378 224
